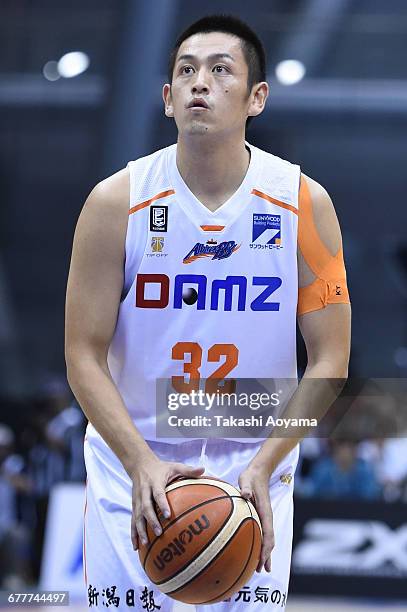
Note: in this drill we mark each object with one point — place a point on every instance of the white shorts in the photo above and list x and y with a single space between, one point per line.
113 573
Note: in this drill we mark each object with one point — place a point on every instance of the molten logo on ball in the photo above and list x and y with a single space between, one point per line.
177 547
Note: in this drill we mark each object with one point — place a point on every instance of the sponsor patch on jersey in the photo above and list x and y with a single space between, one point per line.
235 292
158 218
286 479
157 244
266 231
157 247
211 249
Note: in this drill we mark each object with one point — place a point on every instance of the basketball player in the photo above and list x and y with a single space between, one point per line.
129 322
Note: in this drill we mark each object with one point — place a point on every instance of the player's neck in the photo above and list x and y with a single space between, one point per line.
213 171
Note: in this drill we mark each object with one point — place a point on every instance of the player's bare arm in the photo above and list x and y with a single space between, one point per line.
327 333
94 291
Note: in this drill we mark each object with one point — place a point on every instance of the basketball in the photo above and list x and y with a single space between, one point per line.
209 546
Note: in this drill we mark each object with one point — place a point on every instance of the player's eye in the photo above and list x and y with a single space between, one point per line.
186 69
219 69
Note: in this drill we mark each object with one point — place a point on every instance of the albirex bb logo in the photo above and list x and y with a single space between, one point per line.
188 290
211 249
266 232
158 218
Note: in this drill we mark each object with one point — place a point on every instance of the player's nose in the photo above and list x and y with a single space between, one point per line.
201 82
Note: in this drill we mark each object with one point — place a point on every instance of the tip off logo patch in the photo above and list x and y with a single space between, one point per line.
266 231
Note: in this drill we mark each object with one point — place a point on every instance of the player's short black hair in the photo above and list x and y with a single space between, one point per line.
252 46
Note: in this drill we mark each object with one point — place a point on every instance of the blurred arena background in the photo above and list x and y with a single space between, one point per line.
80 95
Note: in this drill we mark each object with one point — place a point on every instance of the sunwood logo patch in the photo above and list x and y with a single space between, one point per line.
266 231
177 547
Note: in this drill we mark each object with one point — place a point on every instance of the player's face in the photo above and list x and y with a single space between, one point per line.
209 87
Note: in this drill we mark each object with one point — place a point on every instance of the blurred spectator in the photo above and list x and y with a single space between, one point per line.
311 451
394 469
389 456
54 442
343 475
64 434
14 535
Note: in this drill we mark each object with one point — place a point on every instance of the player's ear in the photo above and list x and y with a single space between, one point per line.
258 97
169 111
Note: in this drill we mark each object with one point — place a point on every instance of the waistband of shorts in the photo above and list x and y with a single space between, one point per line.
210 443
194 446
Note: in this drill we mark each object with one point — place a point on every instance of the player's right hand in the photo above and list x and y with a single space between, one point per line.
149 482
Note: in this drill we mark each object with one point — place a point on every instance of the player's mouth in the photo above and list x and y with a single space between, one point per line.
198 104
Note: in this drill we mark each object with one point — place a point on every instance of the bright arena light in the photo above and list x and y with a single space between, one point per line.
50 71
73 63
289 72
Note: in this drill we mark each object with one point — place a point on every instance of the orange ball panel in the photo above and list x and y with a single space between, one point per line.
229 571
186 537
181 500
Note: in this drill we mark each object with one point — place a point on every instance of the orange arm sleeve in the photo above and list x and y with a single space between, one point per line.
330 286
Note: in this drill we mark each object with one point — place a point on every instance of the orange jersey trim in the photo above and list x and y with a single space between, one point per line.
260 194
163 194
212 228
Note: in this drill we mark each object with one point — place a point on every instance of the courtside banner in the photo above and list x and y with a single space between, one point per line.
355 549
62 566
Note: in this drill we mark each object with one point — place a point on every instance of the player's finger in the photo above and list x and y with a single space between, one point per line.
162 502
265 556
148 511
246 492
141 528
138 530
133 527
263 507
188 470
134 534
245 488
139 518
267 546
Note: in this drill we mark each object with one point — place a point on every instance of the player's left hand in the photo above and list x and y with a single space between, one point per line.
254 485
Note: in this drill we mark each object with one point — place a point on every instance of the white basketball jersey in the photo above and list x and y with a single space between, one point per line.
206 294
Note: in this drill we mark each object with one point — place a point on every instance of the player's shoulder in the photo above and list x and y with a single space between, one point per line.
114 191
276 161
320 210
155 156
277 177
320 199
104 214
284 170
111 193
